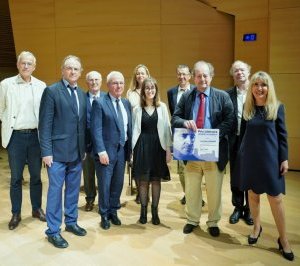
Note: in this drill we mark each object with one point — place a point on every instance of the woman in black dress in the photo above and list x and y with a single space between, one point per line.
264 156
151 142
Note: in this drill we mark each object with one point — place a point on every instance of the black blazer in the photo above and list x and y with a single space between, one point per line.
221 112
172 97
61 130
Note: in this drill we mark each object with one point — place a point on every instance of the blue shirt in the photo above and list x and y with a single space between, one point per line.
207 123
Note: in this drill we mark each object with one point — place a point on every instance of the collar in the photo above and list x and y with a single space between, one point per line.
66 83
240 92
92 95
20 80
206 92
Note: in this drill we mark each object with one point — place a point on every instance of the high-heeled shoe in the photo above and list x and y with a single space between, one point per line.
253 240
286 255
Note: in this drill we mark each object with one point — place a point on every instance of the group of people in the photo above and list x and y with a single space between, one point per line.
98 132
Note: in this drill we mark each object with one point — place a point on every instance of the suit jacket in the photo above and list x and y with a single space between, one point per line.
9 103
88 121
172 97
61 129
105 128
221 113
163 126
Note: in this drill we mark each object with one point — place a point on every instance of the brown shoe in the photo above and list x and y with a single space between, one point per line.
89 206
14 221
39 213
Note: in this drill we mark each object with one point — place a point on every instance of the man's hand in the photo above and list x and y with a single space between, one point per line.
48 160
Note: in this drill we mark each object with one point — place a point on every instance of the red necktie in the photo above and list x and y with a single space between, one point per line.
201 112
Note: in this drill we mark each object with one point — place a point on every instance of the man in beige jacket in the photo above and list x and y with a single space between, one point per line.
20 98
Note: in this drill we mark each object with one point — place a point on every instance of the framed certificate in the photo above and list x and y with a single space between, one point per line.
200 145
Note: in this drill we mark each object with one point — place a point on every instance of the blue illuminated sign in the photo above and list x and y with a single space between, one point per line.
249 37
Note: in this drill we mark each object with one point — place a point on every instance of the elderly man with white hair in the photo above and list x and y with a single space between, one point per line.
111 136
93 81
20 98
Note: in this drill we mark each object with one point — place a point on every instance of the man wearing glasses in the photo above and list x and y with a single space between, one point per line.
20 98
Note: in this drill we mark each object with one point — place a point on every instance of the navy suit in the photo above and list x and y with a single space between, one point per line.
88 163
62 136
105 131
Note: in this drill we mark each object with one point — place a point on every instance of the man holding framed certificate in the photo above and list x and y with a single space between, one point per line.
204 107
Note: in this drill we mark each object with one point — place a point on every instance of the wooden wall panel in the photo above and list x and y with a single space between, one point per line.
41 42
283 4
32 14
255 53
76 13
285 39
288 93
113 48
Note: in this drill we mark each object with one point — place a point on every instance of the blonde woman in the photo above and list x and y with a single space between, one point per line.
151 142
140 72
264 156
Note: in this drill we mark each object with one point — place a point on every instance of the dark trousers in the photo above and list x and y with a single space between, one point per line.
24 147
239 198
110 182
89 178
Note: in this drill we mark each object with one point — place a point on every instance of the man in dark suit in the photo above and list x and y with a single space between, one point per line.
204 107
174 95
62 126
240 72
93 81
111 136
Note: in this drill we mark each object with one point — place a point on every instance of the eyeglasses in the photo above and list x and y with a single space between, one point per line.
70 68
150 89
28 64
182 74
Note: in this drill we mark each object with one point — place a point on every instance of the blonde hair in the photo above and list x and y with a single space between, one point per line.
271 105
133 82
156 99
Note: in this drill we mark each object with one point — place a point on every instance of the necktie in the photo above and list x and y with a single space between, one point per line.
121 123
74 100
201 112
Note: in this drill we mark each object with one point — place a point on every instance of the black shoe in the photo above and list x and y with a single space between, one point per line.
189 228
247 217
58 241
105 224
214 231
89 206
235 216
39 213
143 216
183 201
76 230
115 219
253 240
286 255
14 221
203 203
155 219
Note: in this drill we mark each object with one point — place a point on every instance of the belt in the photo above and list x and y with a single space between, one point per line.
26 131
